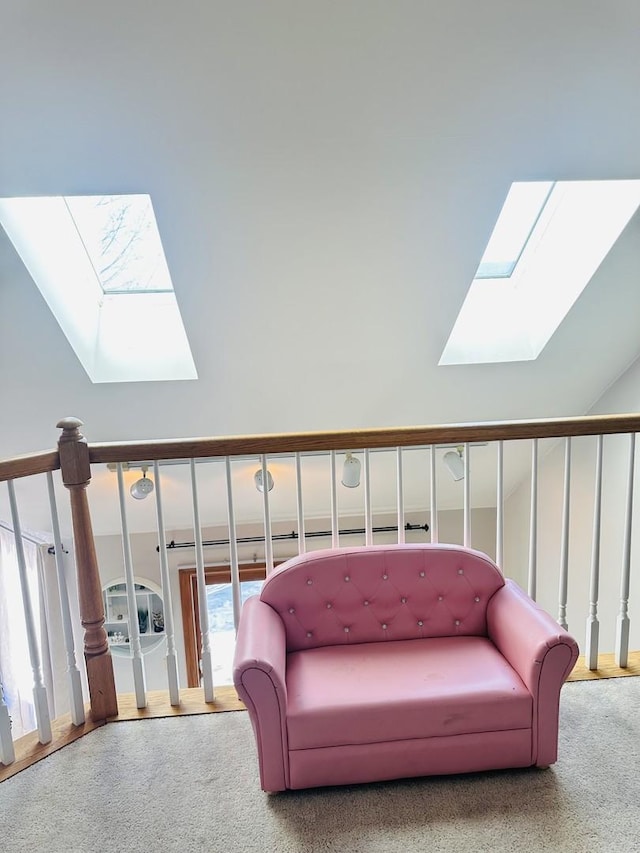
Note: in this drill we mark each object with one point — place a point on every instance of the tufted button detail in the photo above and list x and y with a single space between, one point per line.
309 634
292 610
441 598
309 582
477 599
421 574
457 621
329 605
420 623
403 600
347 578
460 571
385 577
366 603
384 626
346 630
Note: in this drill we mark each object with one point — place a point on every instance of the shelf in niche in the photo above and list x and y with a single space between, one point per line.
150 616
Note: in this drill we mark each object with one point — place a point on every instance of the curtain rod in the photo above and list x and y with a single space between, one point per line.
33 539
243 540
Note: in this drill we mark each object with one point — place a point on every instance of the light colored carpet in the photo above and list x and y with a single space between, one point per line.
191 784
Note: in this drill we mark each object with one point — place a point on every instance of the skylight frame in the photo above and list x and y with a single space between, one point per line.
512 319
533 212
110 332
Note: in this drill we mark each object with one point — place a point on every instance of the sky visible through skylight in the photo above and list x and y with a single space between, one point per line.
548 242
522 207
120 235
100 266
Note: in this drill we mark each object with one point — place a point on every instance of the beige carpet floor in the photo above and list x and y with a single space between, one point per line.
191 784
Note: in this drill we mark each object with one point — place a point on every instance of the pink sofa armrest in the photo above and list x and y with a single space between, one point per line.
259 667
541 652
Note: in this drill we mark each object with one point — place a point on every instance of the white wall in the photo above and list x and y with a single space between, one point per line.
622 396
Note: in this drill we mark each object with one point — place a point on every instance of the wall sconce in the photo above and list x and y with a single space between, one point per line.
454 461
257 478
351 471
143 487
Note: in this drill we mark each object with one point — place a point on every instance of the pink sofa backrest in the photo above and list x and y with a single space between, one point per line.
388 592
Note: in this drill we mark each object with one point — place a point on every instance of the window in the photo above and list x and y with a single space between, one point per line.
99 263
548 242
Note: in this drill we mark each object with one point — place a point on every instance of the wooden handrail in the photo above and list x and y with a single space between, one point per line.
309 442
30 463
301 442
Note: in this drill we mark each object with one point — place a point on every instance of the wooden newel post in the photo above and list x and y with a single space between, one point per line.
76 475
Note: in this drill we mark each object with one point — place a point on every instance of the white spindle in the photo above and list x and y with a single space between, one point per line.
622 627
467 497
500 505
268 541
533 523
40 702
302 545
433 480
368 520
172 656
401 536
335 535
564 540
593 627
203 609
135 647
7 751
233 549
74 681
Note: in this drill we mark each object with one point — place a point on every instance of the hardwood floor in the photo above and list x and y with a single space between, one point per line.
29 750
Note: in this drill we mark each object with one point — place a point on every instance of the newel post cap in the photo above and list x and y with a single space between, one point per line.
70 429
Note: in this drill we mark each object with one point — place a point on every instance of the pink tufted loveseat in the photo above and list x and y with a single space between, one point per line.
373 663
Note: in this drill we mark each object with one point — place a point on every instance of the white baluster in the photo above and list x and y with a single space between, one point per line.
368 521
203 610
335 535
500 505
268 541
400 489
564 541
533 523
233 549
40 702
434 494
593 627
7 751
74 681
302 544
467 497
135 646
622 627
169 630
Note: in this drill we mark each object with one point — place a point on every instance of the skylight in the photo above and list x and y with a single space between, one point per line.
99 263
517 219
548 242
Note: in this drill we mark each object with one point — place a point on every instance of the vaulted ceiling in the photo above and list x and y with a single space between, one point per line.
325 177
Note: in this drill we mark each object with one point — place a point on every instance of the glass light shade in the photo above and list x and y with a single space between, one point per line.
351 472
141 488
455 463
257 477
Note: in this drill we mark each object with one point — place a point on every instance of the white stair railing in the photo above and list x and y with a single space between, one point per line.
74 681
172 656
593 624
135 646
40 700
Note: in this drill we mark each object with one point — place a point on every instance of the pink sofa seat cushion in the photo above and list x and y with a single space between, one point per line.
387 691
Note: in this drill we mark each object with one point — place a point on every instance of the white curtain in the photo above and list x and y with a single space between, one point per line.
16 671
